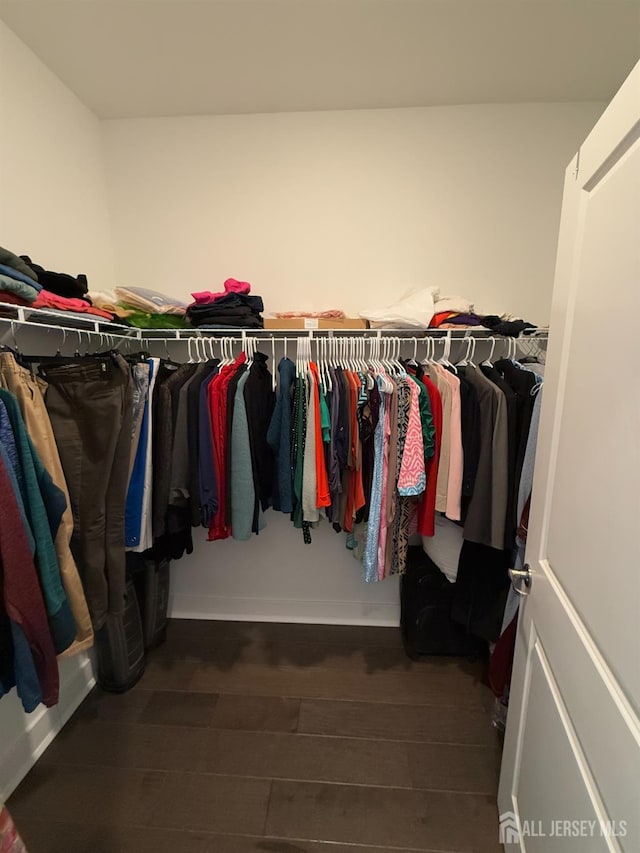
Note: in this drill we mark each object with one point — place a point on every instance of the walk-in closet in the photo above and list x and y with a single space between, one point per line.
318 438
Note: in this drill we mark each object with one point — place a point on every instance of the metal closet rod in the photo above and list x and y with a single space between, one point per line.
292 334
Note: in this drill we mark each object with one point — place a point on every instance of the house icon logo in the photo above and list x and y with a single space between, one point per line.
509 828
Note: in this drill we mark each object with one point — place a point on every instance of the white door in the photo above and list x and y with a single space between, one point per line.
572 745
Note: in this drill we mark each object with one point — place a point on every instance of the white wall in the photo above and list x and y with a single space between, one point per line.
53 203
275 577
347 209
52 207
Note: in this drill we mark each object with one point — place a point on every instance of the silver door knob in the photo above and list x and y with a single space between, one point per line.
521 579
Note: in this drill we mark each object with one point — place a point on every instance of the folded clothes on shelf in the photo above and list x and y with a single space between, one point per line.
231 285
145 320
8 259
233 310
60 303
14 274
26 292
108 301
150 301
62 284
333 314
10 298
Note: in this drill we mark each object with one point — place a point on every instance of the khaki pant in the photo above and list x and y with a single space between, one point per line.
89 404
28 392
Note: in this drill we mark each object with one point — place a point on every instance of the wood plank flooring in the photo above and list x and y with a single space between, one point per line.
267 738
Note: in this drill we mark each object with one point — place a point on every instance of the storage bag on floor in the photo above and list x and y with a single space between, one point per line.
152 586
426 597
120 647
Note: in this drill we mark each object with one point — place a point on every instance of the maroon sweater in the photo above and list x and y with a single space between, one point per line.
21 591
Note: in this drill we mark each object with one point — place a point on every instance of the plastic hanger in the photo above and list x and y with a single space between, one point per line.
488 362
465 361
274 370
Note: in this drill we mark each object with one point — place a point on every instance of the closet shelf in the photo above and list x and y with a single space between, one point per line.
50 319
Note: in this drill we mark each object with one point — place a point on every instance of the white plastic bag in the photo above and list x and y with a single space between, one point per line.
413 311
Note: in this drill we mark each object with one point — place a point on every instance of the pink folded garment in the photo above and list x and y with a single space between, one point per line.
62 303
334 314
231 285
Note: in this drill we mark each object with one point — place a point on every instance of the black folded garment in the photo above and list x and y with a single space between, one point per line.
59 282
240 320
231 300
509 328
235 310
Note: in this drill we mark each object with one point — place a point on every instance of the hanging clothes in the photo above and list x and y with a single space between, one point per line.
44 505
259 399
89 405
220 526
279 438
427 507
27 656
243 492
28 393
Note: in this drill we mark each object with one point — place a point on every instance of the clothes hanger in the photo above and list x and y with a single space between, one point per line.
427 351
325 359
274 371
197 359
446 345
212 349
465 361
473 353
326 343
488 362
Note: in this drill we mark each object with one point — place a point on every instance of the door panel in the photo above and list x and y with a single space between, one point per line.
595 484
546 724
572 745
604 723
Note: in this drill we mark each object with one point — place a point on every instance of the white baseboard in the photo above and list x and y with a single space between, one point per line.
24 737
184 606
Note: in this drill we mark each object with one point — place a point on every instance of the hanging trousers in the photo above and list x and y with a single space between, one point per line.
90 407
28 392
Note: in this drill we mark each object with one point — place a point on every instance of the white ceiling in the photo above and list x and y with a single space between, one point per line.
137 58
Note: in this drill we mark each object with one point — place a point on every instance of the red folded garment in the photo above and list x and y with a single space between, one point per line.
12 299
231 285
62 303
442 317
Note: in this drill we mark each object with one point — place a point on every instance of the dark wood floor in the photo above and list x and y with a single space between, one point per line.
274 739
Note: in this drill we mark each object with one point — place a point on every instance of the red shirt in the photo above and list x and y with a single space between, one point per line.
220 527
21 592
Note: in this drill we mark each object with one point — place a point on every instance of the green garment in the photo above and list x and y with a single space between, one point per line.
426 419
243 494
142 320
325 418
